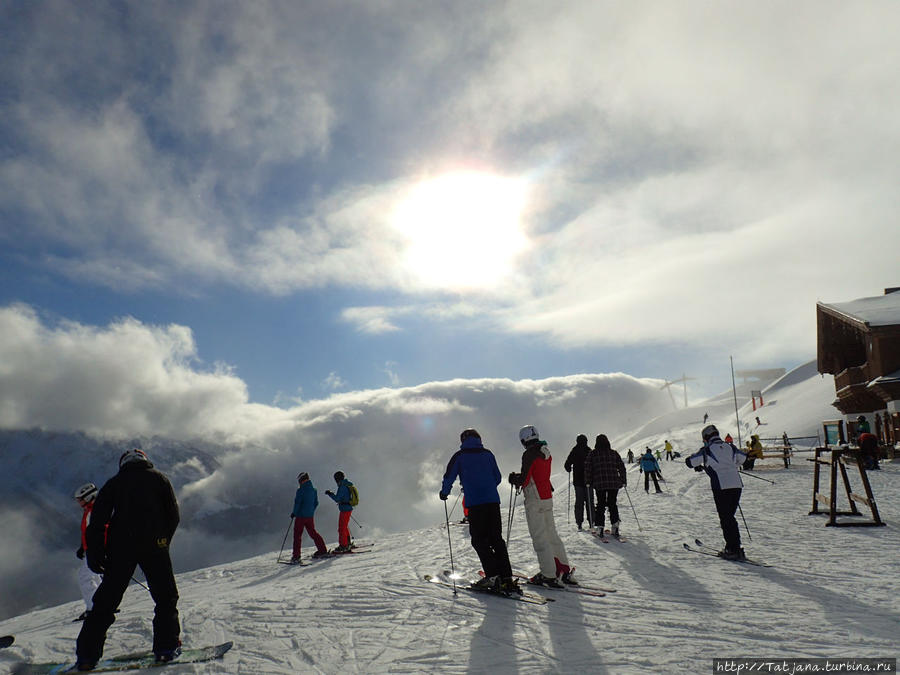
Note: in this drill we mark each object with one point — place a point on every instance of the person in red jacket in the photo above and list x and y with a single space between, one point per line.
88 582
534 480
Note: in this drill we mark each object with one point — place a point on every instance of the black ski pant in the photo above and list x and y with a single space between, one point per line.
486 530
157 568
647 476
580 501
727 502
606 499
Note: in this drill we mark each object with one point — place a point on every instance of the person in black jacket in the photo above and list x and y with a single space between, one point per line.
134 518
575 464
604 473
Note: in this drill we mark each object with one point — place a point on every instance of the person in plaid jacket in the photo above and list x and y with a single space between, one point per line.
604 474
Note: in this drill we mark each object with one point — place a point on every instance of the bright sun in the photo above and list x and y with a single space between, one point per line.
463 229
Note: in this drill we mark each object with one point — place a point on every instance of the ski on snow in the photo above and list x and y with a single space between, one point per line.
583 590
710 551
135 661
466 585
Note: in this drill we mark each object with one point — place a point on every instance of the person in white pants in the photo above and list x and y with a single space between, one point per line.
534 479
88 581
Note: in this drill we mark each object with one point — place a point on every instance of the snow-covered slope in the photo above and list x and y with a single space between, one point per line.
832 592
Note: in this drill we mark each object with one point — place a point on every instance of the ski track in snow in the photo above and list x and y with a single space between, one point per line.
833 592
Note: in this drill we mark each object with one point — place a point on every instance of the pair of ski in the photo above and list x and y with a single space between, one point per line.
705 549
446 578
595 591
361 548
605 536
136 661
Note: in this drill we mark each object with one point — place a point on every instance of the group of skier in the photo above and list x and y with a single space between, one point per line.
477 470
130 522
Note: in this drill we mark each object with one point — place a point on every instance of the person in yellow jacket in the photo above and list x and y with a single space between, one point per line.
754 452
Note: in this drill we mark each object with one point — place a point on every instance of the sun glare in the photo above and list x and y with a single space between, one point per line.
463 230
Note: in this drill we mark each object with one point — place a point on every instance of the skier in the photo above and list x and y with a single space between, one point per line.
786 442
306 501
705 417
342 499
479 475
721 460
132 523
575 465
605 473
630 456
650 468
88 581
868 448
669 451
534 481
754 452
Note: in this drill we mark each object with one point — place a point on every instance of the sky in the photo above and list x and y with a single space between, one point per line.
280 202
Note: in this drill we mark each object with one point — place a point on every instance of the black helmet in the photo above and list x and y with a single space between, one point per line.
861 418
469 433
709 431
302 477
338 476
581 439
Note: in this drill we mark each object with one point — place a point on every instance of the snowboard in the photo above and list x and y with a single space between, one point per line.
136 661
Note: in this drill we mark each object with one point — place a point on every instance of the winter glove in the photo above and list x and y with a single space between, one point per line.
292 516
640 470
329 493
442 496
80 553
514 479
96 562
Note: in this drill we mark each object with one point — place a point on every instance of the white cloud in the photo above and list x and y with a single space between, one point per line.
334 381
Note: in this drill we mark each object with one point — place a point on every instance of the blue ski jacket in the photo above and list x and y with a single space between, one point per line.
306 501
342 496
478 473
649 463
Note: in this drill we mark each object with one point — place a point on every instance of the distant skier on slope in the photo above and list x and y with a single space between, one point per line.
575 465
754 452
650 468
605 474
342 498
306 501
534 480
134 518
721 460
670 451
88 581
479 475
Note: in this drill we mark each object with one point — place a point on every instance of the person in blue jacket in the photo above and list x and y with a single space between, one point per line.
650 468
721 461
477 470
306 501
346 510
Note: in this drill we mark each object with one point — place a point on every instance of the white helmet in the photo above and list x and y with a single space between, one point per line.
528 433
86 493
132 455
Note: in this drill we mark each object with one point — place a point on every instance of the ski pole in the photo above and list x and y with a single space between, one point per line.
512 513
569 501
455 503
590 505
140 584
744 473
355 520
284 541
450 546
745 522
632 509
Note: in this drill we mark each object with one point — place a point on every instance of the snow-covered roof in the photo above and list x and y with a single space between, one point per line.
881 310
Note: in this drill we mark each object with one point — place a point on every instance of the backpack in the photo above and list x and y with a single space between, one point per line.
354 495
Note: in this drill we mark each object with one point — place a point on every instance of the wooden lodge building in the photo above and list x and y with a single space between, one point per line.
859 343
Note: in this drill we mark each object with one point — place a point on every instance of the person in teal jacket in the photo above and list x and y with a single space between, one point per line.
650 469
306 501
342 498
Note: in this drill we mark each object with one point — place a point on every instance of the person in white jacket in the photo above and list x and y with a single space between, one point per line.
721 461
